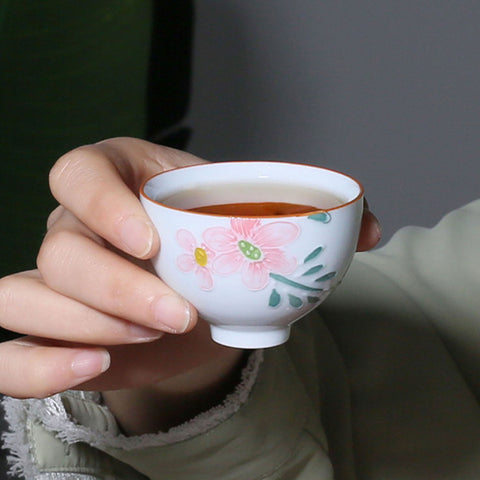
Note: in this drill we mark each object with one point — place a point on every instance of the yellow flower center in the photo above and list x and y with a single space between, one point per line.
201 256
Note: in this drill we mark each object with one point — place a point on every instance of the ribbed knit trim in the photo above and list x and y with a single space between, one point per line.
52 415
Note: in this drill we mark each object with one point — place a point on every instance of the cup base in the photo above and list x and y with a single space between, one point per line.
249 337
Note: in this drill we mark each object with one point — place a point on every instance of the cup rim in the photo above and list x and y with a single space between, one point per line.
266 162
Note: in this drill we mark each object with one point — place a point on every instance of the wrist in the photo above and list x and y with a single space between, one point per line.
170 402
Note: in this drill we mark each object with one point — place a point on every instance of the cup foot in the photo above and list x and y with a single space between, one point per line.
249 337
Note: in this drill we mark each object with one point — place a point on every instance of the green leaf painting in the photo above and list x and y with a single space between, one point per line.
323 217
304 291
292 283
326 277
313 254
274 299
313 270
295 301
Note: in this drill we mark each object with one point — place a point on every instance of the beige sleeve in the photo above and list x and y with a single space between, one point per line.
407 325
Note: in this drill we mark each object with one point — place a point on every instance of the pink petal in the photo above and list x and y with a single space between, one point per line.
276 260
276 234
228 263
255 275
220 239
186 262
204 278
210 252
186 240
245 227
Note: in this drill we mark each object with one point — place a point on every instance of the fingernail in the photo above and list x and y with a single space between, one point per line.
90 363
137 236
138 333
172 314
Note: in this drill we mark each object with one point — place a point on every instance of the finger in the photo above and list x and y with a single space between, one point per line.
370 231
54 216
99 184
74 264
37 368
28 306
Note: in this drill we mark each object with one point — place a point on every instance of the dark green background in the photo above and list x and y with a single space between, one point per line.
75 72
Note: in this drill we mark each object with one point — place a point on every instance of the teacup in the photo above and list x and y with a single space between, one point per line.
253 270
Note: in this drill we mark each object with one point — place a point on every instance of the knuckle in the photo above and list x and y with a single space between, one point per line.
67 167
117 294
54 251
78 178
23 376
7 297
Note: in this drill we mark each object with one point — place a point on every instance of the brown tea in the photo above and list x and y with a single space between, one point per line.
253 209
253 199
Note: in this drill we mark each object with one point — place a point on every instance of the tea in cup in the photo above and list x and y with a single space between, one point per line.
253 245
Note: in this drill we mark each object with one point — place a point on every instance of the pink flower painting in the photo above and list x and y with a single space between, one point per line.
196 259
252 249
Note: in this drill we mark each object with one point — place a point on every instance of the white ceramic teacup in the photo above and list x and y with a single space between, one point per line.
252 276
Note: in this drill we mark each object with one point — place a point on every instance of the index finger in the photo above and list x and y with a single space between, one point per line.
99 184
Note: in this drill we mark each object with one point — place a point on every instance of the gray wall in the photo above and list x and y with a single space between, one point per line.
388 91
